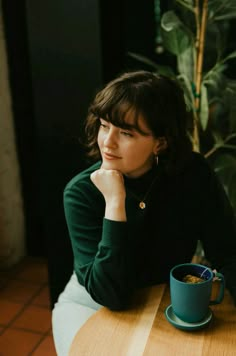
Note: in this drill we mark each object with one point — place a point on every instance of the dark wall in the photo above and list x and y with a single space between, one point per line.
126 26
60 52
20 84
65 59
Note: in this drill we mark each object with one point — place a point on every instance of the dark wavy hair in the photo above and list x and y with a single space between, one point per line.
160 101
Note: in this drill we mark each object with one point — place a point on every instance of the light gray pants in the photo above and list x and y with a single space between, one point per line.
73 308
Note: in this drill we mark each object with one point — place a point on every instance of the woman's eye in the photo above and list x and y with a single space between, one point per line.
104 126
125 133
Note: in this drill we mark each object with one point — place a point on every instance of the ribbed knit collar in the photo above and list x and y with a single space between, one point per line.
141 184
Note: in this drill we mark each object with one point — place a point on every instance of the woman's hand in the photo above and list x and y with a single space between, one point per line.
111 185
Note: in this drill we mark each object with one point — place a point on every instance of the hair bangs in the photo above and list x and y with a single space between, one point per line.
121 110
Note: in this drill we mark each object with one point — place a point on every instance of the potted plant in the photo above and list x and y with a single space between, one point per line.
195 33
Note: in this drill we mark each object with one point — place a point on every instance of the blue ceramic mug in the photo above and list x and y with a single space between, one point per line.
190 301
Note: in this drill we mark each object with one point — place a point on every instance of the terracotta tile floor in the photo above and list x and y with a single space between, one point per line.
25 314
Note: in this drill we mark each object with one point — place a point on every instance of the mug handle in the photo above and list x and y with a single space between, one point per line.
220 296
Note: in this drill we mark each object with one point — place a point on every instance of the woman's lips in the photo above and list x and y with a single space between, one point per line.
109 156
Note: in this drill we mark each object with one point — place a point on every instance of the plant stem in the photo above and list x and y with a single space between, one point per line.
195 141
200 41
195 136
217 146
201 54
197 21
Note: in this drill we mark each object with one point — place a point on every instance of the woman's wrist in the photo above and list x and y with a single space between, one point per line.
115 210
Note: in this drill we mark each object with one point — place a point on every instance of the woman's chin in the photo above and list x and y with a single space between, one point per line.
110 165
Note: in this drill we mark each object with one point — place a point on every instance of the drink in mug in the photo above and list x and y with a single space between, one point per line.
190 291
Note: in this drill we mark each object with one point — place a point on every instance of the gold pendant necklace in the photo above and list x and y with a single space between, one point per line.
142 204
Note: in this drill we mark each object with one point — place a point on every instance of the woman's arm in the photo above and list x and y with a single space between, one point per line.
111 185
102 254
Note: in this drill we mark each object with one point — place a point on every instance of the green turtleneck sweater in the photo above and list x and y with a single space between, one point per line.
112 259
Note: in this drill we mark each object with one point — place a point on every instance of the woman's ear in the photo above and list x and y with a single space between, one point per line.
161 145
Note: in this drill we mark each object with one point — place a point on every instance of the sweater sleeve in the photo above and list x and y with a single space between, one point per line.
219 230
102 261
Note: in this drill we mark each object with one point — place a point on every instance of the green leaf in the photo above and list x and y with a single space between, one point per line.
229 16
228 97
230 56
175 35
164 70
225 168
218 139
188 91
143 59
188 4
185 62
232 147
170 21
204 107
214 77
221 9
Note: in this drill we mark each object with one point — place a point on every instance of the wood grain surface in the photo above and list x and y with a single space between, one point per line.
144 330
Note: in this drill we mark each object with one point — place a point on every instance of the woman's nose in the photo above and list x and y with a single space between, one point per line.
110 139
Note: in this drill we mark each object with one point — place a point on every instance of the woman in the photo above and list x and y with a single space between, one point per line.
142 207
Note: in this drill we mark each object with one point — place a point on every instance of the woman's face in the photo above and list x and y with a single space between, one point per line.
127 151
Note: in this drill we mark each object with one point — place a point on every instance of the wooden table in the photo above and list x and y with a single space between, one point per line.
144 330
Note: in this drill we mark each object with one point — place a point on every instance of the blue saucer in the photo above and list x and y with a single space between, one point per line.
183 325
